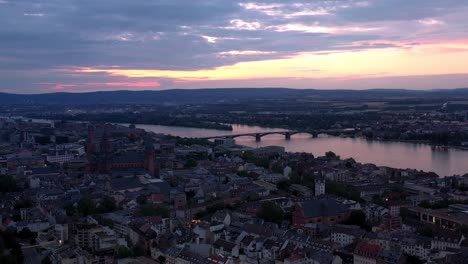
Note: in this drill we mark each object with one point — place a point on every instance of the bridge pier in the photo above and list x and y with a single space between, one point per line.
258 137
287 134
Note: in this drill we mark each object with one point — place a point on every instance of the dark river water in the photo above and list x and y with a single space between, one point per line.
393 154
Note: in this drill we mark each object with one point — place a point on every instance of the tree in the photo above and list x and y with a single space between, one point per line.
414 260
277 167
2 244
70 209
26 203
331 155
271 212
283 185
138 251
252 196
10 248
107 204
123 252
46 260
358 218
18 253
262 162
8 184
404 213
190 194
25 233
141 199
377 199
105 221
162 259
86 206
210 210
340 189
190 163
151 210
426 230
243 174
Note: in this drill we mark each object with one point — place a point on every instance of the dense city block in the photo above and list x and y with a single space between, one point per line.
78 192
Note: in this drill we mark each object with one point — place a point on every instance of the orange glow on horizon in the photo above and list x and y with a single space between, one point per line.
436 58
63 86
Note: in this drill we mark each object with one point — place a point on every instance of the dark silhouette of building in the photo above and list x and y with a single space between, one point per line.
102 159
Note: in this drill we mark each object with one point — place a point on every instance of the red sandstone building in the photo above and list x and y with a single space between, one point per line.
101 158
322 211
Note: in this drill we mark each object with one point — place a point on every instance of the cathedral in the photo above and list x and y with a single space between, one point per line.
102 159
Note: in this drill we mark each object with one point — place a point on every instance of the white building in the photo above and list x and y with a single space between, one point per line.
287 171
319 185
61 232
415 247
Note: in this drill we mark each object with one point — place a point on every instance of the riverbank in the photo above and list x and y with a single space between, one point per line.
425 142
179 122
382 153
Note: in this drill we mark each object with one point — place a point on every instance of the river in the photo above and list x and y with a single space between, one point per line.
393 154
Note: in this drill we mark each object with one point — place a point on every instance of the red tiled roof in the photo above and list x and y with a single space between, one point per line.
367 250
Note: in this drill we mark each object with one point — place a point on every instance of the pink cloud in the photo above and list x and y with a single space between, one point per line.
96 85
131 84
57 86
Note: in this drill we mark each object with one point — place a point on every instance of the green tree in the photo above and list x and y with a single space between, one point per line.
271 212
124 252
377 199
25 233
277 167
426 230
105 221
190 163
46 260
210 210
190 194
151 210
141 199
357 217
86 206
18 253
107 204
283 185
8 184
331 155
162 259
404 213
414 260
252 196
138 251
243 174
340 189
25 203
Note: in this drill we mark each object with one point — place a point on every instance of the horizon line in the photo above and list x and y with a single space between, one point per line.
245 88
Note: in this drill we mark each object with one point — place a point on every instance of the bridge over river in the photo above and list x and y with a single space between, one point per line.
287 134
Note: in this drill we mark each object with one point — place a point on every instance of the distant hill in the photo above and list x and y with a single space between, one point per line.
177 96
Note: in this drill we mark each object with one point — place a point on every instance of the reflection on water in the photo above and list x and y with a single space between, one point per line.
444 162
392 154
203 132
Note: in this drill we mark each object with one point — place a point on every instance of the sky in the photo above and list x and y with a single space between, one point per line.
100 45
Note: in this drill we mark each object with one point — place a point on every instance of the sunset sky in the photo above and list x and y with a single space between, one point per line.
90 45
